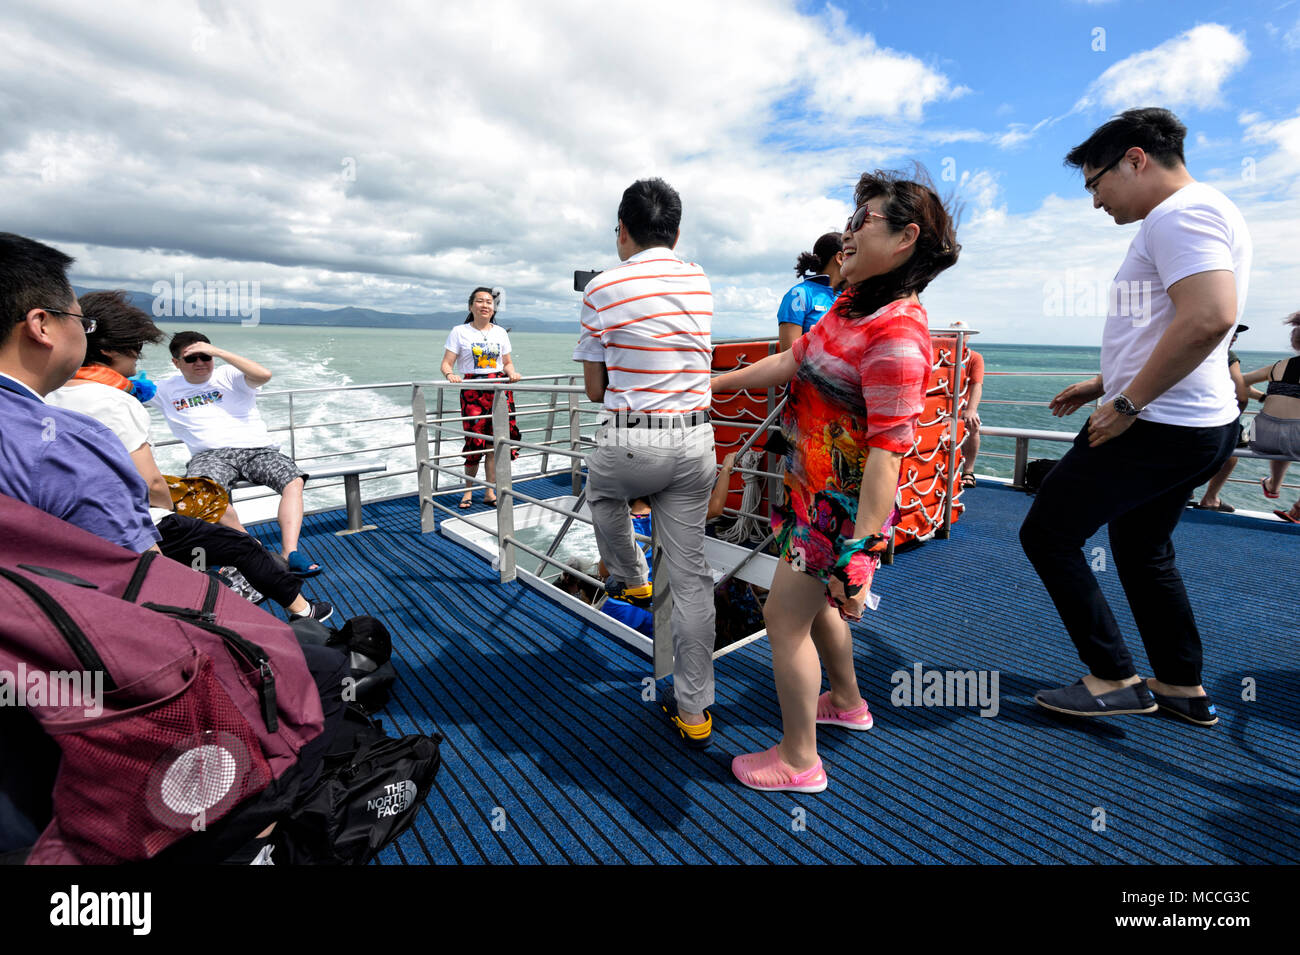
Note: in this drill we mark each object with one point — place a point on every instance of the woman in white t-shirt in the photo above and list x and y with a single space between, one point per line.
480 348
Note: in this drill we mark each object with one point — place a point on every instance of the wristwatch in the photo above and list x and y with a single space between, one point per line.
1124 406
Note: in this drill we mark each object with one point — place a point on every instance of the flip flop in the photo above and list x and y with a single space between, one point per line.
1263 486
1286 517
301 566
466 504
968 479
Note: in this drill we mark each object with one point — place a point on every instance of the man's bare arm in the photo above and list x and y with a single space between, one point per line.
144 462
595 378
256 375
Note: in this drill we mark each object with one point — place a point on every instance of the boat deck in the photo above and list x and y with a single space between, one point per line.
552 756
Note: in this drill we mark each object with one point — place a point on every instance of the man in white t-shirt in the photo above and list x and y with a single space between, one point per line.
646 353
1166 421
214 411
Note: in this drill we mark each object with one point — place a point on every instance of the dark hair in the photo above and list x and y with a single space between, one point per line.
906 201
651 211
823 251
470 317
1294 321
121 326
183 340
32 275
1158 132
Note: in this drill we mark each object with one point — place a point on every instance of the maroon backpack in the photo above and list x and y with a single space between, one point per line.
172 700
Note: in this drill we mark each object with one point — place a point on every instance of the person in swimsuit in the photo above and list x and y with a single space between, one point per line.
1277 426
857 388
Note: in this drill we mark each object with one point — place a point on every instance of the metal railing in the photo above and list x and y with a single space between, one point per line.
1022 436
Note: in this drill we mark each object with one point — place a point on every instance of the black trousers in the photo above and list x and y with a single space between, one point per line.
1138 484
222 546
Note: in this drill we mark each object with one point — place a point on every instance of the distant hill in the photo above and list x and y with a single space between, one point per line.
349 316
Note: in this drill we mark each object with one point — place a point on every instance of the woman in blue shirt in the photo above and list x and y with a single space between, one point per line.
813 297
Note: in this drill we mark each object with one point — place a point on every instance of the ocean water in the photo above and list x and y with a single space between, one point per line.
1020 380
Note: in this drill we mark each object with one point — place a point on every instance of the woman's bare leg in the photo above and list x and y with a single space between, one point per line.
1277 474
471 471
793 603
490 466
834 643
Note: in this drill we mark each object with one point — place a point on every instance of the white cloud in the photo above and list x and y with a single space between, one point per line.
1187 70
1291 39
392 158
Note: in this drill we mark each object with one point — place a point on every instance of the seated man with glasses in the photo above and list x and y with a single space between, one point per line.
214 411
57 460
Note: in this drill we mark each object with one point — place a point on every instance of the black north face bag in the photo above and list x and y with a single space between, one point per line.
365 798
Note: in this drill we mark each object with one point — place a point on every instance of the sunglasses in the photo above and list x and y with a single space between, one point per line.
859 217
191 359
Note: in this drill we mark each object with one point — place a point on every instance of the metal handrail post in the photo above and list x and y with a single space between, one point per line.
957 372
293 446
425 476
550 427
575 433
505 499
1022 462
773 483
437 440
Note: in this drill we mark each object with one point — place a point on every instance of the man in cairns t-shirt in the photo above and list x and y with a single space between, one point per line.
214 411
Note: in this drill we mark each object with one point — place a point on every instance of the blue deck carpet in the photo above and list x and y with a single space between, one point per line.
551 755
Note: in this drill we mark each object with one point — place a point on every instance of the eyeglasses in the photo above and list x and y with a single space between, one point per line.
89 324
191 359
1090 185
859 217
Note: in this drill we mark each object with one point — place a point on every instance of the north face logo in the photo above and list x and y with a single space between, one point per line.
396 799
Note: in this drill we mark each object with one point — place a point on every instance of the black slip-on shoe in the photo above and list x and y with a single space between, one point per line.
1193 709
1076 700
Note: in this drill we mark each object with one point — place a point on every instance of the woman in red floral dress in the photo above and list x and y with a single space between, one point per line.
857 387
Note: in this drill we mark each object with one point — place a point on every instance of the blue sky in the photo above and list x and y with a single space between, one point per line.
398 154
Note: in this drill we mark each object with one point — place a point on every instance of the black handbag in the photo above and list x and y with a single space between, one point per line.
366 797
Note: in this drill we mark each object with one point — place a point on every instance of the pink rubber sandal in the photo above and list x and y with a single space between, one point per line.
858 718
768 772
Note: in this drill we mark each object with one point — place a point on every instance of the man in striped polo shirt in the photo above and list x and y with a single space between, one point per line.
646 352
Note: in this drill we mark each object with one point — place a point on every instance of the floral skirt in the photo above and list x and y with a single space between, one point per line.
811 528
474 403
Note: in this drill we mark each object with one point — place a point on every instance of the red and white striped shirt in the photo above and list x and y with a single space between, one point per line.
649 321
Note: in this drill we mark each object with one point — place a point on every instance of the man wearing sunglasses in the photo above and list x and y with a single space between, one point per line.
214 411
1165 423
